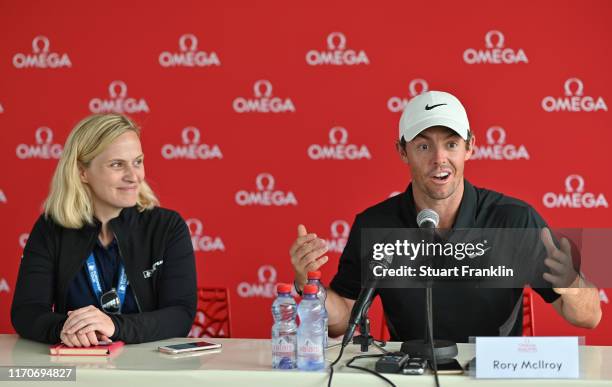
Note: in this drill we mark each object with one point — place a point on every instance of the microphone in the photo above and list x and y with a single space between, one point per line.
362 304
428 218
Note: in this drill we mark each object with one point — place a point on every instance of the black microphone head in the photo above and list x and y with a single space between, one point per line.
385 262
428 217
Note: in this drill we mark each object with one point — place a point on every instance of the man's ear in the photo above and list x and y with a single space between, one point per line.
470 150
402 152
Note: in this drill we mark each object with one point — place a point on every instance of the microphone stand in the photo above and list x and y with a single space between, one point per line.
364 338
359 317
443 350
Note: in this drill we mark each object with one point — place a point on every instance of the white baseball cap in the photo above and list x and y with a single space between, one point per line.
433 108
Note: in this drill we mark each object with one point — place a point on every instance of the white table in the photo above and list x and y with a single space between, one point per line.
246 362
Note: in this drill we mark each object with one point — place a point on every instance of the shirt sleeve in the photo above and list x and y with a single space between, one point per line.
32 312
347 281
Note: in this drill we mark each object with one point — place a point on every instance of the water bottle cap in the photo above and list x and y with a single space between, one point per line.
314 275
311 289
283 288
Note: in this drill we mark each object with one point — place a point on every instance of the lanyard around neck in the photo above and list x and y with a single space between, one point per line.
94 278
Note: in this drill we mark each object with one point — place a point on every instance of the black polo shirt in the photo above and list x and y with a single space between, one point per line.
458 313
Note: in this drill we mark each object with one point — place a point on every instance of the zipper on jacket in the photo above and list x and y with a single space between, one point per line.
126 273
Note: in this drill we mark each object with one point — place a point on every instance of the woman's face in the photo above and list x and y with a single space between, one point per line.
115 176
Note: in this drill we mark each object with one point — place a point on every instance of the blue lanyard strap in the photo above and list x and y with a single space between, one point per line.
94 278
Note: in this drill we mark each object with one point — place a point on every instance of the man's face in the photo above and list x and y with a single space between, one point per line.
436 158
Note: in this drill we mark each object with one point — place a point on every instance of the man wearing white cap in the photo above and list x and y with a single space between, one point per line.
435 140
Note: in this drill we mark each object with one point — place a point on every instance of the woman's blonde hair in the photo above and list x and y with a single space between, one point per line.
69 202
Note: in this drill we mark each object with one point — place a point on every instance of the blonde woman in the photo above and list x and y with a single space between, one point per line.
104 262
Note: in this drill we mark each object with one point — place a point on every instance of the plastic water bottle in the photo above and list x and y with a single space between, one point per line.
314 277
311 355
284 329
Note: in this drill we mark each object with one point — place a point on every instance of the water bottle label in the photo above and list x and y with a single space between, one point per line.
309 347
280 346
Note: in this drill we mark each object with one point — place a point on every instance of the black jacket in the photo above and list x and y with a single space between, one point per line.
166 297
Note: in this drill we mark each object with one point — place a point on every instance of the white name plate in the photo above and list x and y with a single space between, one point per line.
527 357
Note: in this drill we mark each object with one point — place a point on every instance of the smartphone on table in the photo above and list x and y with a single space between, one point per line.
451 368
188 347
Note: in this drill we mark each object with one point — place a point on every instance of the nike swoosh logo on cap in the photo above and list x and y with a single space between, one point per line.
427 107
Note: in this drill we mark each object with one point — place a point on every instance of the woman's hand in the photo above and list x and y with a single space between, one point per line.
85 326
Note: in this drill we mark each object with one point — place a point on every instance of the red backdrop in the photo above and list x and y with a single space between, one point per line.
258 117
